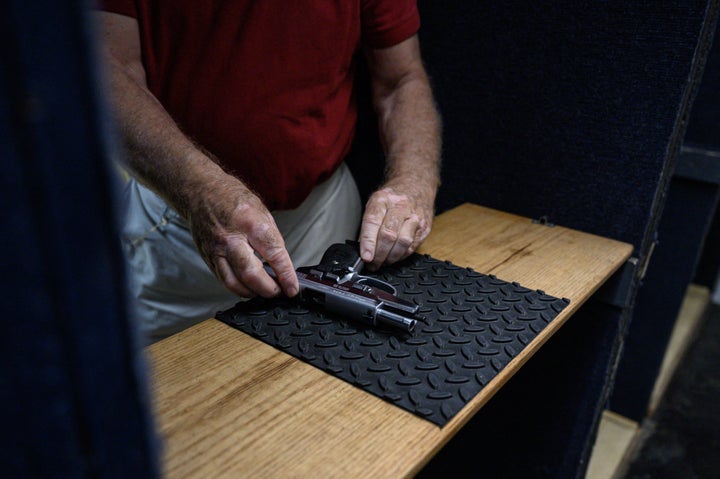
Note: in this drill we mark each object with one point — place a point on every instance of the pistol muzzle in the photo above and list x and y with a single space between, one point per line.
395 320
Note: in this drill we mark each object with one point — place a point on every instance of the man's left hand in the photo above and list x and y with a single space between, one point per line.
397 219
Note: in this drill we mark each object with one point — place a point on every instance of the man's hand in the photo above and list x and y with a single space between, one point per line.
398 216
397 220
230 225
234 232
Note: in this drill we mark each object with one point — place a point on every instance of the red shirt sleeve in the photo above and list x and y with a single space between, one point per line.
123 7
388 22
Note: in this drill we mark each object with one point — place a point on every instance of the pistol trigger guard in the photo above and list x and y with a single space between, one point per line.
377 283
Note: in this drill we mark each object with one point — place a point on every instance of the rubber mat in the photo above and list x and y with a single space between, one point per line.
473 325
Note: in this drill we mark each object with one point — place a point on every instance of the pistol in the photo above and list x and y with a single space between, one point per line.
336 285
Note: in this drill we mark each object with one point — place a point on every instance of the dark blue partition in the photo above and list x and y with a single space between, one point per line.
681 235
573 112
73 391
569 111
685 238
704 133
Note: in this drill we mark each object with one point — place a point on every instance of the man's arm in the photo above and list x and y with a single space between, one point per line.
228 222
398 216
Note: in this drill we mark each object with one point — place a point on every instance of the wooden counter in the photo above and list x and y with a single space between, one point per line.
231 406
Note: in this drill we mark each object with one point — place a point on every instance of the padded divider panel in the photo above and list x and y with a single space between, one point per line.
73 397
685 229
704 132
685 222
569 111
473 325
574 112
704 125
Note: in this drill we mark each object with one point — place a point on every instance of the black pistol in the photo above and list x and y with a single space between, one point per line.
337 286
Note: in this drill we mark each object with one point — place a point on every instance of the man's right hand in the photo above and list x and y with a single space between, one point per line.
231 227
228 222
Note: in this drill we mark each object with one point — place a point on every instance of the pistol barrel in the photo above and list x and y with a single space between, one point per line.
395 320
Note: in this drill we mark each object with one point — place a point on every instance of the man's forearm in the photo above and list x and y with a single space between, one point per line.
398 217
410 128
230 225
409 122
158 153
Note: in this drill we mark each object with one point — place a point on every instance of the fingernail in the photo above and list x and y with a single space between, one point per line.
292 291
366 255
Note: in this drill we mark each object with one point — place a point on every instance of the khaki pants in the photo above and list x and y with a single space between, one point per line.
171 286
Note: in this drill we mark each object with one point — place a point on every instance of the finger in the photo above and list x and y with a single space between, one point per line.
403 246
281 264
373 217
422 232
387 237
271 247
249 269
231 282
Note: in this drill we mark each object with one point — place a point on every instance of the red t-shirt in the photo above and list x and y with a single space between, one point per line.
265 85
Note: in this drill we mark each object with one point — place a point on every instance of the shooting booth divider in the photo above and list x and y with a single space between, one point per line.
572 114
73 396
684 233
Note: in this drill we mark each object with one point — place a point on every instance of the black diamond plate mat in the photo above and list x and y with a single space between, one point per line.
473 325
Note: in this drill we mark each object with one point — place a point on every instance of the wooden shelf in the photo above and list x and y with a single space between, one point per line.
231 406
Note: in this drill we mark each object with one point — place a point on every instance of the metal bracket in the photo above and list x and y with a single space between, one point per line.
543 220
617 289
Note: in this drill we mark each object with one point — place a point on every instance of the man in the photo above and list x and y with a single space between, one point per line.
236 117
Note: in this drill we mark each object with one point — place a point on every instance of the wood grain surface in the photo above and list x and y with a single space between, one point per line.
230 406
